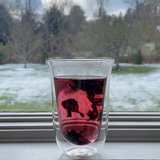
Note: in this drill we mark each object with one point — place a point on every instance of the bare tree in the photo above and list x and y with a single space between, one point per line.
110 37
24 39
143 23
118 37
157 44
98 7
24 43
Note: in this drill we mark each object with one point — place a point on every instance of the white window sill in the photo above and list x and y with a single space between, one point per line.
138 135
38 127
50 151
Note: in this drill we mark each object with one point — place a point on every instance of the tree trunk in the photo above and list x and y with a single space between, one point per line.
117 60
9 54
25 65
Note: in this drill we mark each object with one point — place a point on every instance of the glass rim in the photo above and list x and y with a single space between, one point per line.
80 59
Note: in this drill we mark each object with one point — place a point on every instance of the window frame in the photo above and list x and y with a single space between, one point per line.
38 127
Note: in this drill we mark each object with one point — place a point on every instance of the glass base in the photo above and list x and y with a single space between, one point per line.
81 152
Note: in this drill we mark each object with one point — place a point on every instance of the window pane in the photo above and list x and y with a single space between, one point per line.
33 30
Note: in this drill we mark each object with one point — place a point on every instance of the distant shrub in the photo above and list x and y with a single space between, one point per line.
2 56
44 56
138 58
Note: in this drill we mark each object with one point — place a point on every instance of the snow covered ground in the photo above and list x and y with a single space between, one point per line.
136 92
25 87
129 92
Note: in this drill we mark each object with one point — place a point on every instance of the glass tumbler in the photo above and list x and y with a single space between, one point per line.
80 96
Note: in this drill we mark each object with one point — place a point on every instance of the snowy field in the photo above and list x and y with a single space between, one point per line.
24 89
136 92
29 90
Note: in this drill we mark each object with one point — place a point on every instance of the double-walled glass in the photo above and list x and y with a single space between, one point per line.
80 96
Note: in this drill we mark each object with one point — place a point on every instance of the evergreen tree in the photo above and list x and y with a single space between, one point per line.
5 24
44 56
138 58
54 20
76 19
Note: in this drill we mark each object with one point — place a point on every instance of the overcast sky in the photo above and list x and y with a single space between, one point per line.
113 7
117 6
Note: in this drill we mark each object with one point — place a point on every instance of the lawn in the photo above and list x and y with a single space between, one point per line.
133 88
135 69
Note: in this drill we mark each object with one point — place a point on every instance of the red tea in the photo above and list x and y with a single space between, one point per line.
80 107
